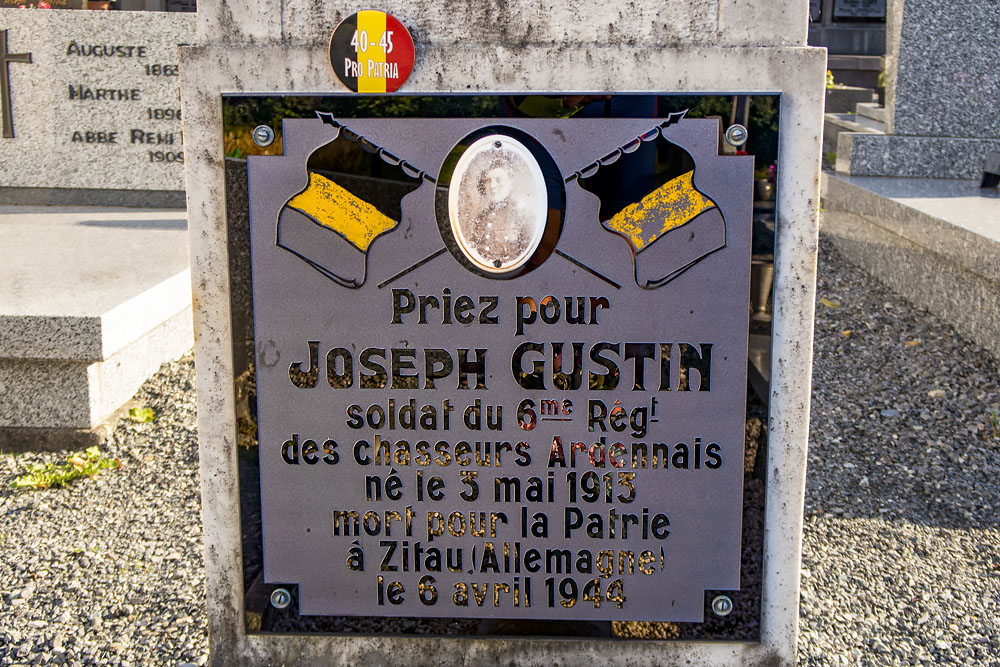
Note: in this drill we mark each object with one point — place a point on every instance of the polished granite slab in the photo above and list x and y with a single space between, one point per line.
957 202
78 283
936 242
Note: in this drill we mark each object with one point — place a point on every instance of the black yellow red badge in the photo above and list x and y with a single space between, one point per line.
371 52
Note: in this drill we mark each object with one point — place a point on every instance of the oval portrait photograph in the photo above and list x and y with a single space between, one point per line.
497 203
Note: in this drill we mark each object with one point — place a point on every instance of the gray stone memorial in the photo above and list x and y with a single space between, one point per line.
94 115
942 94
906 203
354 361
92 300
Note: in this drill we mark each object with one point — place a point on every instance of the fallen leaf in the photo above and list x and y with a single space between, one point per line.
142 415
828 303
936 393
912 343
846 333
77 461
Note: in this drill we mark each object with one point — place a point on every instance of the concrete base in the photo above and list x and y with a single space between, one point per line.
864 149
94 300
872 111
93 197
934 241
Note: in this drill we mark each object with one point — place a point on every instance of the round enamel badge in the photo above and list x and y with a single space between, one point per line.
371 52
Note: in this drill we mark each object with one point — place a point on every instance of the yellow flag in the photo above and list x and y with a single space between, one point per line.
334 207
671 205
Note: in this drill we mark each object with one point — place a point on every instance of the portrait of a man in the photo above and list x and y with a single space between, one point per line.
498 203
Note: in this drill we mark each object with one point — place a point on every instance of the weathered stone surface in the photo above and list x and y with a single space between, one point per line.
750 23
522 22
67 102
490 23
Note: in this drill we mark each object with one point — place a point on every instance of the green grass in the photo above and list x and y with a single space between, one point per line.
50 475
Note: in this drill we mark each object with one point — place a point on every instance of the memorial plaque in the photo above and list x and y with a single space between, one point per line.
859 9
488 386
371 52
98 106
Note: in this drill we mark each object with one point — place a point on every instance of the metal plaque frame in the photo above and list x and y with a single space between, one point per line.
618 360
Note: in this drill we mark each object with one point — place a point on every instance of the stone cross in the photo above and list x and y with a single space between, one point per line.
8 120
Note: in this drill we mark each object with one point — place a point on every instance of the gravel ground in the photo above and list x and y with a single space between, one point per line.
109 570
901 554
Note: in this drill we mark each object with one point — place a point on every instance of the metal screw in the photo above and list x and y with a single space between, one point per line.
722 605
497 144
736 135
263 136
280 598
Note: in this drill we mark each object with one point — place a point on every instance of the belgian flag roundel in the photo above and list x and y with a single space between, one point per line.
371 52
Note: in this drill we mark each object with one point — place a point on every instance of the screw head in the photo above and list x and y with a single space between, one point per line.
280 598
263 135
722 605
737 135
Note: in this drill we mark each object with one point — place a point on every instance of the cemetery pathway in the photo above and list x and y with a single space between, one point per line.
901 555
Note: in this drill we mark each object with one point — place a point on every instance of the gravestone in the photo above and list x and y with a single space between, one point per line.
942 90
91 107
92 299
376 324
906 203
